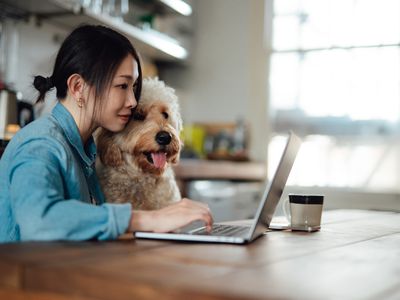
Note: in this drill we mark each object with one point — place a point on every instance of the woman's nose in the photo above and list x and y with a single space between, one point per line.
132 100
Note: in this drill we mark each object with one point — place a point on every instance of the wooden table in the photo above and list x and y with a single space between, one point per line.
356 255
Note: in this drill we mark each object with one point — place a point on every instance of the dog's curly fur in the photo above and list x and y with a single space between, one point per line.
128 171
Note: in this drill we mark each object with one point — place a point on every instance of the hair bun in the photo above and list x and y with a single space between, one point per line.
43 84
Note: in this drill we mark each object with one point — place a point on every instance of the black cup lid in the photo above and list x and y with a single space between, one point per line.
306 199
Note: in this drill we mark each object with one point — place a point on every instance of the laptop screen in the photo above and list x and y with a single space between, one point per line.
274 189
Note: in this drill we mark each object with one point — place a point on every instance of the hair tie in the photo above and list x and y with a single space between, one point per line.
49 82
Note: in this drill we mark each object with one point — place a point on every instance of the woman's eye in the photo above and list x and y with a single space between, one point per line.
123 86
165 115
138 116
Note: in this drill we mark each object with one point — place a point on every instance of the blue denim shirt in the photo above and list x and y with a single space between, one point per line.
48 186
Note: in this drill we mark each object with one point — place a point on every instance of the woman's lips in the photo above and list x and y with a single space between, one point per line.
124 118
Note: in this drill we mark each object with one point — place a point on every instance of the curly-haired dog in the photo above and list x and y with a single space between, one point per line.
136 163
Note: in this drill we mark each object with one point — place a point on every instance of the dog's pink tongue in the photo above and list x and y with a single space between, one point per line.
159 159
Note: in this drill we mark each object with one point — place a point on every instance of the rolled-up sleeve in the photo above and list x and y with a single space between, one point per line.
37 191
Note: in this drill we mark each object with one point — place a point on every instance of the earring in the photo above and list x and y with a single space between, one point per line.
80 102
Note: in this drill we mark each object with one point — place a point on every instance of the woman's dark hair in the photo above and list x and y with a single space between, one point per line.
95 53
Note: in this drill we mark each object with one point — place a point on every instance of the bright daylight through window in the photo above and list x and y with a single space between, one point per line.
335 78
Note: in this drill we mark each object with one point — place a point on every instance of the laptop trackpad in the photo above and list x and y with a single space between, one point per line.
188 228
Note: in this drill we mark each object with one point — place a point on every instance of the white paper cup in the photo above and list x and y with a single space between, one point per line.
305 212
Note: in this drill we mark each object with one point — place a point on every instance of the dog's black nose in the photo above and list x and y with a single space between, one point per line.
163 138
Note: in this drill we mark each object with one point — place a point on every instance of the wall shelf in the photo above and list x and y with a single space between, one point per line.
179 6
155 45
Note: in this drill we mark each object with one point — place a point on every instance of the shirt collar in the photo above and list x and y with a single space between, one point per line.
71 131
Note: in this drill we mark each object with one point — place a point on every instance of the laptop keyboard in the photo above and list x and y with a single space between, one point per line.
224 230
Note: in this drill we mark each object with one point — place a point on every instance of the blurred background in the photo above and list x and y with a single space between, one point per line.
246 72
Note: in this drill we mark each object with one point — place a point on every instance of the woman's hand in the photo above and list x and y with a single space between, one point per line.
171 217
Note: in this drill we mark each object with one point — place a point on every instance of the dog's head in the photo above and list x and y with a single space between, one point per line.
151 138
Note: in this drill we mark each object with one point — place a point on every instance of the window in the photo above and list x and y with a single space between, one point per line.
335 78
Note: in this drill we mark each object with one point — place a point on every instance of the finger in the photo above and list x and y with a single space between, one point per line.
205 215
208 224
208 220
190 216
185 213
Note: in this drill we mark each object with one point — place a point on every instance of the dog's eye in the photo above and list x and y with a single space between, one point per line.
165 115
138 116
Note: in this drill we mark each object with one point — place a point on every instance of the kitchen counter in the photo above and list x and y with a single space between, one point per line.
196 169
190 169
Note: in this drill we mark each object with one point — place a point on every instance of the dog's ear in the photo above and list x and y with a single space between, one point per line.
177 157
110 154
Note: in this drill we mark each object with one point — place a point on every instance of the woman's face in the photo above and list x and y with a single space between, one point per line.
117 105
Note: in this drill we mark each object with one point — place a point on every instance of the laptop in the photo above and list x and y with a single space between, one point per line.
234 234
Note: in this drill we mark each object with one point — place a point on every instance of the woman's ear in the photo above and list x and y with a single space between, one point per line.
110 154
76 85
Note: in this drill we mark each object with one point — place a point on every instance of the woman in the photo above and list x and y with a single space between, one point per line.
49 189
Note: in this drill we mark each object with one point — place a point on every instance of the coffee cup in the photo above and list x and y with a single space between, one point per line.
305 211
